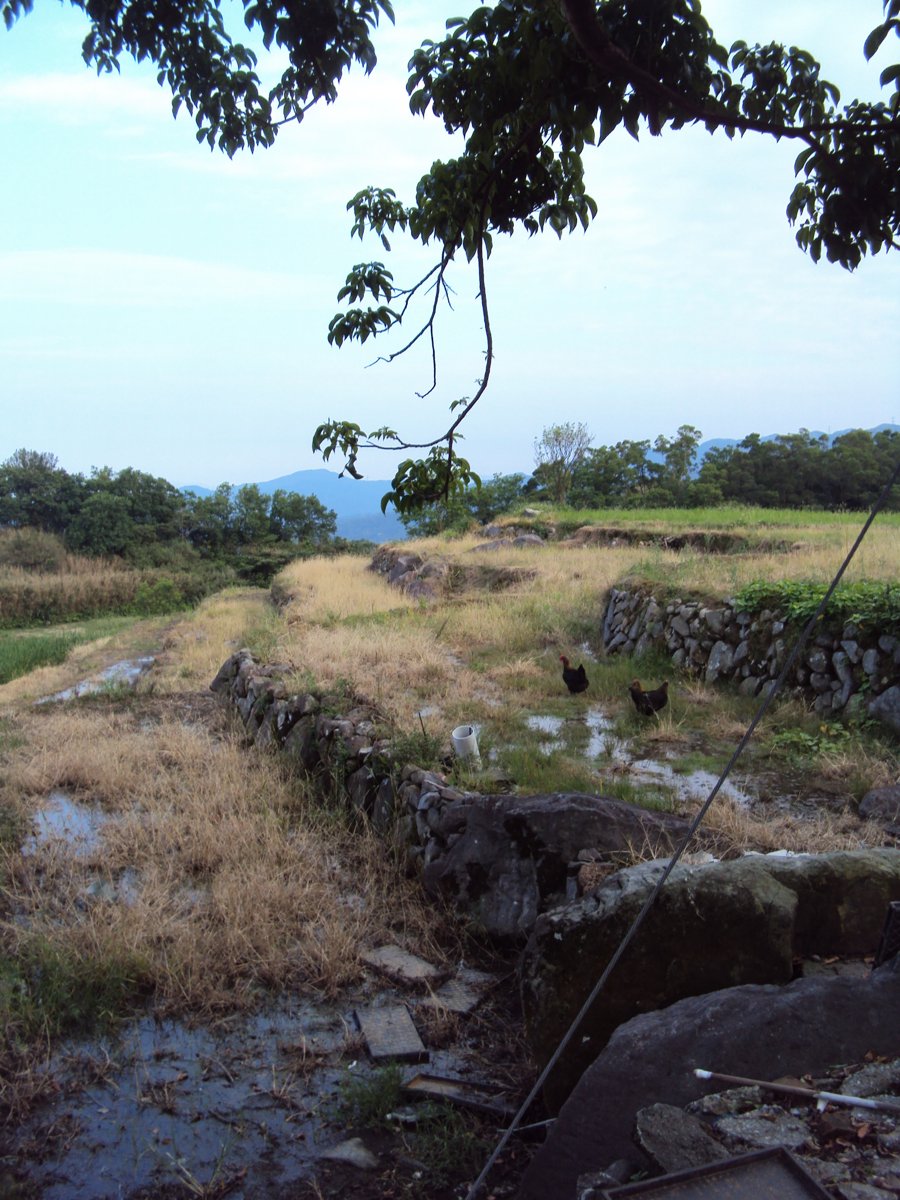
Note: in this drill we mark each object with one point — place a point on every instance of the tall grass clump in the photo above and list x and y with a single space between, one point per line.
19 655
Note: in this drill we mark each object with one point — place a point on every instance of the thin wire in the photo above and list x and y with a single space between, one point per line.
692 829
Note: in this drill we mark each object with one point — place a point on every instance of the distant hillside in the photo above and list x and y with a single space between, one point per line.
357 502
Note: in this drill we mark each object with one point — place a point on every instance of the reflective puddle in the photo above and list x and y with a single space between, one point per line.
603 743
693 785
120 674
62 819
243 1107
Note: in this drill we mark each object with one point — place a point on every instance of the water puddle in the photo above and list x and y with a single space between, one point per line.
120 674
600 738
62 819
603 743
693 785
244 1107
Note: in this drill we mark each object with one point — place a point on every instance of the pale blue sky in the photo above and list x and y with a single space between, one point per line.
165 308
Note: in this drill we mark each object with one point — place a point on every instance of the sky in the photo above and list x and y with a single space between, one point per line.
166 308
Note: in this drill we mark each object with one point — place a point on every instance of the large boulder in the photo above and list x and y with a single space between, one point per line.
886 708
501 859
757 1031
711 927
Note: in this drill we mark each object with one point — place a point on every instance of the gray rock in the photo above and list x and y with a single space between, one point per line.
883 805
758 1031
715 620
886 708
720 661
711 926
674 1140
870 662
512 853
355 1152
818 661
764 1129
852 650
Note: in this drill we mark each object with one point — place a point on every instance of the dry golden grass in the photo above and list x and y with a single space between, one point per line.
738 830
326 590
693 571
240 879
83 585
198 644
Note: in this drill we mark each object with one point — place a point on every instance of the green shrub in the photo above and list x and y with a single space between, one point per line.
873 606
365 1100
48 989
160 596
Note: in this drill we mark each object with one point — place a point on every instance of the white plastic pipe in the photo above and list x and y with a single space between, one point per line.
465 743
822 1098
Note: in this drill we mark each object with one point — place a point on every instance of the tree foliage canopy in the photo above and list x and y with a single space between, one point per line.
532 87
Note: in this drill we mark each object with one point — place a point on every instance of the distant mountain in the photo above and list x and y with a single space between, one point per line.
357 502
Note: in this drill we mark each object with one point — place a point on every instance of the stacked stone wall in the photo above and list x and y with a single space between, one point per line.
845 669
346 751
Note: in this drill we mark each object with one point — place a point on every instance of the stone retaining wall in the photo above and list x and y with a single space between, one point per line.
844 670
346 750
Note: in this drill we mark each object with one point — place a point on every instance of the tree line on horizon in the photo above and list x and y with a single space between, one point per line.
795 470
149 522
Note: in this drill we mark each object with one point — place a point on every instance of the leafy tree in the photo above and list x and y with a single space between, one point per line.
530 86
210 521
156 507
495 497
250 516
439 516
36 492
103 526
557 452
301 519
854 476
610 475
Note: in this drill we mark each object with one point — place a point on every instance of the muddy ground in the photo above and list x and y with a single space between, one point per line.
263 1106
271 1105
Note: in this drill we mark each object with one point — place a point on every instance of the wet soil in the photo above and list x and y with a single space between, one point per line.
248 1105
252 1105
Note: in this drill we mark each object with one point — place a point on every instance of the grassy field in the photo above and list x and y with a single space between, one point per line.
240 882
233 880
24 651
491 658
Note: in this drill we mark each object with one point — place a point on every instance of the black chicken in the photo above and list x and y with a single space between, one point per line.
575 678
649 703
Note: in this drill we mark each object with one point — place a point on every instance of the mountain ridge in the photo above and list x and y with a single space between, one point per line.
357 502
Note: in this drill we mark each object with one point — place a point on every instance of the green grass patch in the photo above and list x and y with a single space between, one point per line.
22 655
537 771
25 650
364 1100
451 1145
732 518
869 605
49 989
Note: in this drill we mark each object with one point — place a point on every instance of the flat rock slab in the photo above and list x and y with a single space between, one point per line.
355 1152
461 994
390 1033
402 967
